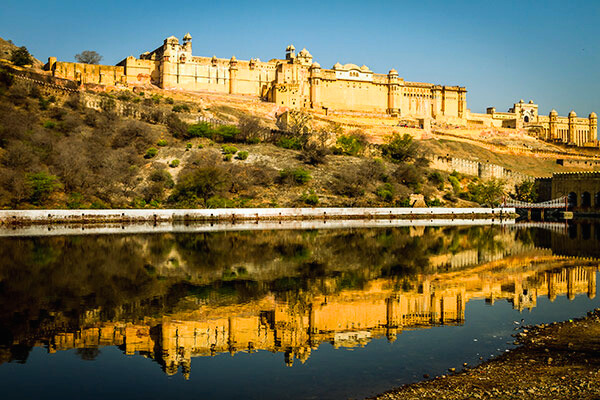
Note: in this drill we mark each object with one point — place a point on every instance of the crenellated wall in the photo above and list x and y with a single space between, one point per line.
295 81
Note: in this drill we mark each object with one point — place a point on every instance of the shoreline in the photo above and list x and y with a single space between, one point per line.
560 360
48 217
149 227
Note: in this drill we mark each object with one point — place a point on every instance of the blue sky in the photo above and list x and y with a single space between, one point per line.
502 51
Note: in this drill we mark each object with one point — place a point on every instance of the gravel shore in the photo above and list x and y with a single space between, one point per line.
555 361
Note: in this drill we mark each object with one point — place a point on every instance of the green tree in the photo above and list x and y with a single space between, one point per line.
21 57
201 183
40 186
399 148
489 192
526 191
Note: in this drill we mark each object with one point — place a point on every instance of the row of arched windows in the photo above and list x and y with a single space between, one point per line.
585 200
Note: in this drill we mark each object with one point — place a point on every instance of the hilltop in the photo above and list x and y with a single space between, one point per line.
100 146
6 49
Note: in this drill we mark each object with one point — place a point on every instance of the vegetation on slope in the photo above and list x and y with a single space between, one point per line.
55 152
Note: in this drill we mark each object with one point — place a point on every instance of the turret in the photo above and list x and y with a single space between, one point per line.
593 126
393 92
553 117
290 52
572 121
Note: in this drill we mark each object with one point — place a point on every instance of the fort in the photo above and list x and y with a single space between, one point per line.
293 81
298 81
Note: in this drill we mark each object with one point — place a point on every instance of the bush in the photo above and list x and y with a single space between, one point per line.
201 129
408 175
242 155
351 145
169 100
298 176
174 163
227 157
21 56
151 152
200 184
181 108
226 133
385 192
314 153
310 198
188 146
228 149
455 184
291 143
177 127
162 176
399 148
251 130
161 143
435 202
49 124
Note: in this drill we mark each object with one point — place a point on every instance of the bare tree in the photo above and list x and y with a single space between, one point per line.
88 57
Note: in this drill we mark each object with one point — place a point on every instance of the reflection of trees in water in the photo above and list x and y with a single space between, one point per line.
88 353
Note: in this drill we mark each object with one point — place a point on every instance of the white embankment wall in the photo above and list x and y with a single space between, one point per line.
113 228
83 216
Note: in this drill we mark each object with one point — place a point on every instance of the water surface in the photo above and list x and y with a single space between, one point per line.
276 314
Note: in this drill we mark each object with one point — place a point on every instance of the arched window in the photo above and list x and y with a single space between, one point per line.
586 199
597 200
572 199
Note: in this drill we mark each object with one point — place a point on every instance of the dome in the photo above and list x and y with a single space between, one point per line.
351 66
553 112
593 115
530 101
233 59
187 37
521 101
338 66
393 72
290 48
364 68
304 53
315 65
172 39
572 113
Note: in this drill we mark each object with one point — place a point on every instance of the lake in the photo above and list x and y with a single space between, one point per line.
271 312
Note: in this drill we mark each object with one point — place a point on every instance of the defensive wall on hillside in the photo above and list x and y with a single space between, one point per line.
476 168
293 81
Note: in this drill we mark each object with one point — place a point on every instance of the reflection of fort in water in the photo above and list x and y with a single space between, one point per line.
383 308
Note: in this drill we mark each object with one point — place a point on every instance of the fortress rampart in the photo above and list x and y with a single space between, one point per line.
293 81
476 168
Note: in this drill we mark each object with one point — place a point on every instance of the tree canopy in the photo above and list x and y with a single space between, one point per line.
88 57
21 56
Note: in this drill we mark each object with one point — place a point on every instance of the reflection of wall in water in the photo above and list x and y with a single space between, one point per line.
582 240
348 318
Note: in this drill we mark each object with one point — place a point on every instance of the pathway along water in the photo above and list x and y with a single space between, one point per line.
314 313
24 217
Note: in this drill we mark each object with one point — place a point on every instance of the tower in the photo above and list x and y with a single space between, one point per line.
593 127
290 53
315 85
553 120
572 121
393 91
233 68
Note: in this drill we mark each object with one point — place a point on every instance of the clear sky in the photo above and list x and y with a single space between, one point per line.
502 51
